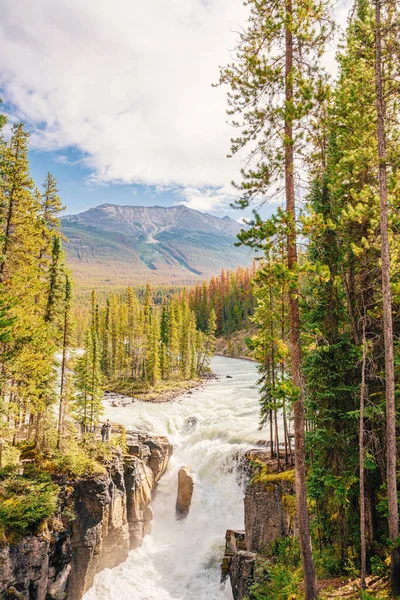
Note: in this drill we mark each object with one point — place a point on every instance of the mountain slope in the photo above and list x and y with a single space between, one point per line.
122 245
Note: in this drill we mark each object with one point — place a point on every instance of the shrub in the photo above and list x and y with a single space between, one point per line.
74 463
26 501
10 455
120 441
279 578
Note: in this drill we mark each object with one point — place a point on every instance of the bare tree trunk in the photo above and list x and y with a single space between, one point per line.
310 581
275 411
285 427
391 450
285 433
63 382
271 434
363 572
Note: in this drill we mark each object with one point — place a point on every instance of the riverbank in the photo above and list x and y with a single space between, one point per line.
165 391
235 345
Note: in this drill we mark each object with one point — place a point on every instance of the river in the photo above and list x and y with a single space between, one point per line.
180 560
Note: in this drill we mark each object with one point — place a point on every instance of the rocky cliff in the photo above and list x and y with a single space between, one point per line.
113 514
268 515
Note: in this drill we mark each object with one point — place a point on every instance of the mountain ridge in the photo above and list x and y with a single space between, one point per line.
122 244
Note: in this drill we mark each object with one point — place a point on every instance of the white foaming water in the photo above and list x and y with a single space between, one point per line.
180 560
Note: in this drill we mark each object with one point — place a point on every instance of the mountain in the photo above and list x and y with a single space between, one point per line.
121 245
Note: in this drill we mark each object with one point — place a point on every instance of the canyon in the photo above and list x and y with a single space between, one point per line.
111 515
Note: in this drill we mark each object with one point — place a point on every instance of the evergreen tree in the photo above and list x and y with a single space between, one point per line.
275 83
56 281
66 343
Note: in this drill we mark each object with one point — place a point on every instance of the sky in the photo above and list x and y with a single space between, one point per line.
118 97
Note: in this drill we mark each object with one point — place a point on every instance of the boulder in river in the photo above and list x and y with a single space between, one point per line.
191 422
185 491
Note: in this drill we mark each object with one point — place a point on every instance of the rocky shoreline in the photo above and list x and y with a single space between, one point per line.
112 514
157 396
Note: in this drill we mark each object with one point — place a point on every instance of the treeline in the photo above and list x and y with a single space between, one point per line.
230 296
328 319
35 300
134 339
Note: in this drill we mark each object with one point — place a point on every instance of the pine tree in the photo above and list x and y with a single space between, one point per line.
278 58
56 285
391 451
50 207
66 342
17 192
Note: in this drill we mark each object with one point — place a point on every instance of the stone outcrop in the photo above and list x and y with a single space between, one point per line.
36 566
185 491
234 543
268 515
242 572
113 514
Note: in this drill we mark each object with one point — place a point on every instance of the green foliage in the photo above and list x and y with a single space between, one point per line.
78 459
120 441
74 463
32 276
26 501
134 341
231 298
281 577
263 476
10 455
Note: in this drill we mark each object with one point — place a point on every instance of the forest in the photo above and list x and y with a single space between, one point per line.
134 346
327 295
321 304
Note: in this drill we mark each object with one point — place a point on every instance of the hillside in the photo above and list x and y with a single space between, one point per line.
120 245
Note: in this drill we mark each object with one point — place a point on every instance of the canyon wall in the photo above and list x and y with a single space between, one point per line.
112 515
268 515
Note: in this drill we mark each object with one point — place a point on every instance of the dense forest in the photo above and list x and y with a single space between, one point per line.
35 298
230 295
327 297
132 344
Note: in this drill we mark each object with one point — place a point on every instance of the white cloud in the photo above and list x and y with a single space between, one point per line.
207 198
129 84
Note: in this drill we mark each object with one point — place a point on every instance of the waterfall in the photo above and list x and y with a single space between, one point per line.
180 559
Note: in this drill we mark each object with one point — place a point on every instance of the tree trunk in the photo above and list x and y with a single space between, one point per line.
391 450
275 411
285 427
310 582
63 382
363 541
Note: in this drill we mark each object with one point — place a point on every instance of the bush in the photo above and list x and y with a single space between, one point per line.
26 501
279 578
120 441
10 455
74 463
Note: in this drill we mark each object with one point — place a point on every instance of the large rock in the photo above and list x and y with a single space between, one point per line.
267 515
100 532
185 491
242 574
234 541
113 514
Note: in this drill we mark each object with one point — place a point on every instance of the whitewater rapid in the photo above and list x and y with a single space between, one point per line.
180 560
